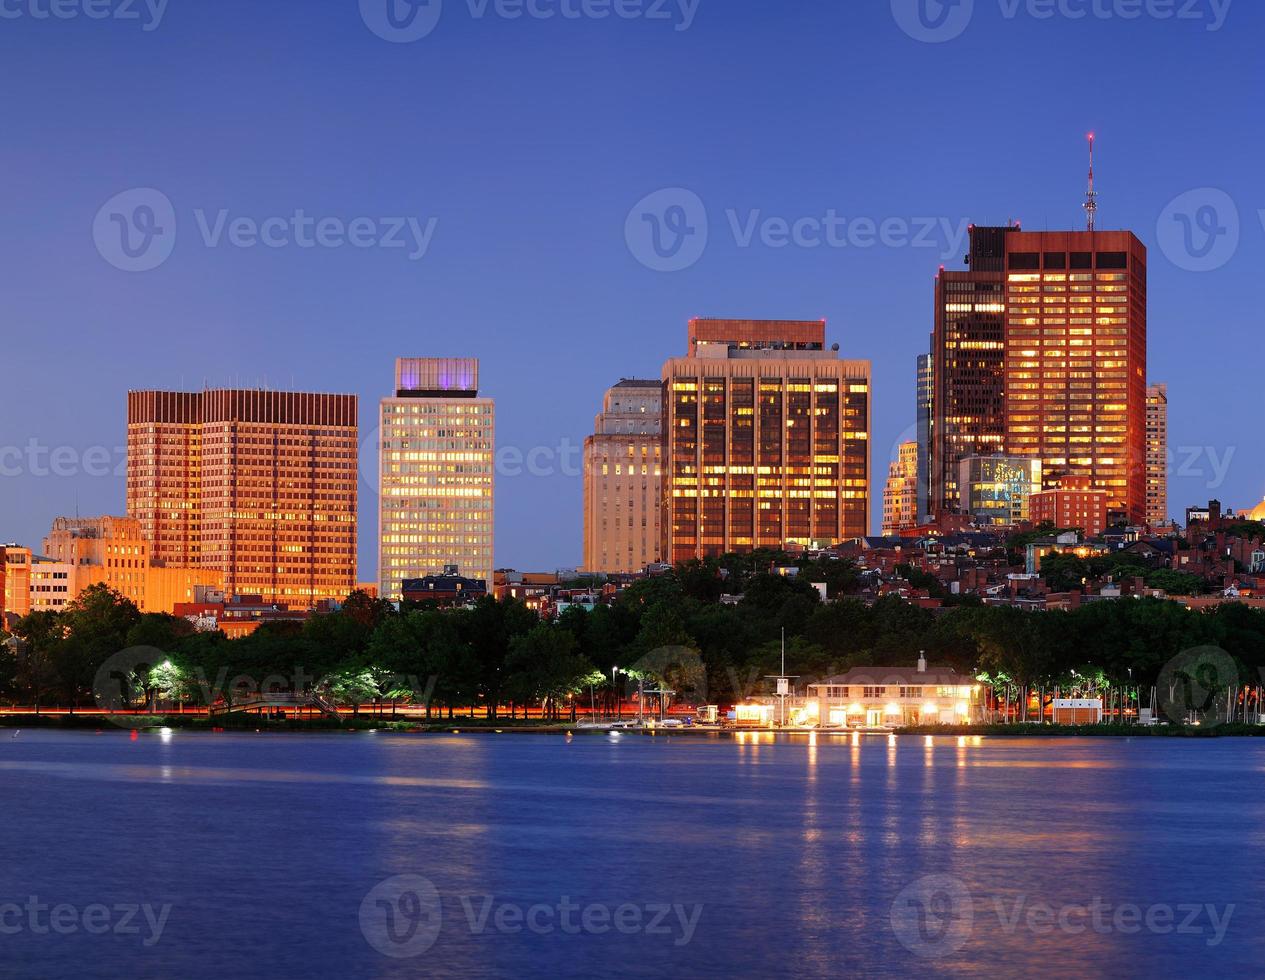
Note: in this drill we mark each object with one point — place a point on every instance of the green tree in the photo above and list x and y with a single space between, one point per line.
94 627
545 665
1176 583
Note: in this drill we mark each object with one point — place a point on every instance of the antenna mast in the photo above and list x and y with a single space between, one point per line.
1091 199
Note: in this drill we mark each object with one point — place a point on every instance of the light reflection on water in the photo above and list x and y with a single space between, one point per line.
796 847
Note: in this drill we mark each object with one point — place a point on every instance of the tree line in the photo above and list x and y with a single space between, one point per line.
672 631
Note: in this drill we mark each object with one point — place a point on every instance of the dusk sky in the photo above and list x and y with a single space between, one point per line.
521 147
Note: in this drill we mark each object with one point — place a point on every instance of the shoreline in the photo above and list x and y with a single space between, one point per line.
365 724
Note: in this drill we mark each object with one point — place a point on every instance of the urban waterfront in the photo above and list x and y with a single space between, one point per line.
182 854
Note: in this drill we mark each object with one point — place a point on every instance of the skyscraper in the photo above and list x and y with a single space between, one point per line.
900 495
968 358
1157 454
621 479
766 440
1040 350
926 405
260 486
436 474
1076 360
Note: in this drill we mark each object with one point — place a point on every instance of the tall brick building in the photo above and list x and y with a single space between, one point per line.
260 486
1076 360
1040 351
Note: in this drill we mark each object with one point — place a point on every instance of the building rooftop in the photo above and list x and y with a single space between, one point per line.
638 383
907 676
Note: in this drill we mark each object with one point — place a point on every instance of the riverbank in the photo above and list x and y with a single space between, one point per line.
249 722
1092 731
439 726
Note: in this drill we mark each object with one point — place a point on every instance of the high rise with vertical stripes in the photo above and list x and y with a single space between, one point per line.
437 451
260 486
766 440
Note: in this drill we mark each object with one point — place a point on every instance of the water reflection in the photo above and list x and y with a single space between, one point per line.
797 847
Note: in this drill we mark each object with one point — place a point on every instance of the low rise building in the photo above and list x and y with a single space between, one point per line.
241 615
17 580
891 697
112 551
52 584
996 491
447 590
1074 503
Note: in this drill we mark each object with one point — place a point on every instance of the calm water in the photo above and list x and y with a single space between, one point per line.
278 856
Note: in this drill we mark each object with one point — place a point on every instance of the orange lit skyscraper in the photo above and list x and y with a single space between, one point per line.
1076 360
260 486
1040 351
766 440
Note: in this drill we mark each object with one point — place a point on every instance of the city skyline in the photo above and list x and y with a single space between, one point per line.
540 211
437 434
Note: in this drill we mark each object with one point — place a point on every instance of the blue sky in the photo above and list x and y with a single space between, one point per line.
520 146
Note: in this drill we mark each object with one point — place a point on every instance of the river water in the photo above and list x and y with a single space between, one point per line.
371 855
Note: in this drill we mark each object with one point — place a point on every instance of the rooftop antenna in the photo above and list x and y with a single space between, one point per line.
1091 199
